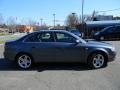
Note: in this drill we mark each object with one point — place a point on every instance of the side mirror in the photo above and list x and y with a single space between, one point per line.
77 41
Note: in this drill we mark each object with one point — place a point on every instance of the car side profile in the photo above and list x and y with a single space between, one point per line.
58 46
108 33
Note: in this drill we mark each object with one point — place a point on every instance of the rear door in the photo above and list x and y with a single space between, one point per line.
42 47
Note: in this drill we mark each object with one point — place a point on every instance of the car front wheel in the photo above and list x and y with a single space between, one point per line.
97 60
24 61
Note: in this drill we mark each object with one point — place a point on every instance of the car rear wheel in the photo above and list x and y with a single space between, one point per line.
97 60
24 61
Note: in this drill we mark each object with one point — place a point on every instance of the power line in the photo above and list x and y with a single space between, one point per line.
110 10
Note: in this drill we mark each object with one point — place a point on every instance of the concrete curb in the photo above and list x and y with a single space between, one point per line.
1 44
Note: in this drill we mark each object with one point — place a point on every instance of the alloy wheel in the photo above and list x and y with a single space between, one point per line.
98 61
24 61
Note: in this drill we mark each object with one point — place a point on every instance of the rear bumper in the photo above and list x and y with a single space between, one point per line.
9 56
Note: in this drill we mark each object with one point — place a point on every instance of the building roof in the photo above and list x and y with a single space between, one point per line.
102 23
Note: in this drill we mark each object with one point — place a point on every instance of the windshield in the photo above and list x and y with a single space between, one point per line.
77 37
106 29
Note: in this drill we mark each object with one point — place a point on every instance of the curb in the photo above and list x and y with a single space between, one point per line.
1 44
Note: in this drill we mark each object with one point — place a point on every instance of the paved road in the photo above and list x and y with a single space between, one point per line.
60 76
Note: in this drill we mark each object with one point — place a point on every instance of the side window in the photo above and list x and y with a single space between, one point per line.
46 37
110 30
63 37
40 37
33 38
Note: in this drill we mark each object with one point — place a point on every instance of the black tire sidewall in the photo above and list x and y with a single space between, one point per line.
22 55
90 61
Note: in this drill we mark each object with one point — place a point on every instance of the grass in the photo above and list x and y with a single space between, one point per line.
4 34
8 37
2 42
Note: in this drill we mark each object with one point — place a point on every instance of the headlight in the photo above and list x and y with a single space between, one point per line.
113 49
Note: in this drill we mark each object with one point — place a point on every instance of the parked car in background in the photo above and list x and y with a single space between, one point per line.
108 33
58 46
76 32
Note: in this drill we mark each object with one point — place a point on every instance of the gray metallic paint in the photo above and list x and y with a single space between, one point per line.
56 51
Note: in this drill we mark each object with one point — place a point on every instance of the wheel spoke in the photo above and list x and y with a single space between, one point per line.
25 57
98 61
26 65
24 61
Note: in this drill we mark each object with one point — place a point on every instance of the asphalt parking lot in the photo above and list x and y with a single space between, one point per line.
60 76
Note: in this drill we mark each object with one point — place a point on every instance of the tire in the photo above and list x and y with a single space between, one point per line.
24 61
97 60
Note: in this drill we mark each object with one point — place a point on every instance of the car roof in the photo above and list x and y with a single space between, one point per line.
64 31
51 31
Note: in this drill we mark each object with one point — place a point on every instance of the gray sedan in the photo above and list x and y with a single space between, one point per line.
58 46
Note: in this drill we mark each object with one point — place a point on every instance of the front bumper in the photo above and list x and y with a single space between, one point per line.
112 56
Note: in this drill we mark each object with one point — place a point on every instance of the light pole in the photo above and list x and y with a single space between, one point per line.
41 21
54 19
82 10
74 22
82 18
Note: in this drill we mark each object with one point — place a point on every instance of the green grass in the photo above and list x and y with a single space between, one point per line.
7 38
4 34
2 42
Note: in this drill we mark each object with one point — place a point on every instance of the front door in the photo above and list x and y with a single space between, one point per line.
68 50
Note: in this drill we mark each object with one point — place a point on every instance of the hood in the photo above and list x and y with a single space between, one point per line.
97 33
98 44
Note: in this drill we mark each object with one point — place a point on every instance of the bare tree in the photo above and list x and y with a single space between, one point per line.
116 18
1 19
94 14
11 22
31 22
72 20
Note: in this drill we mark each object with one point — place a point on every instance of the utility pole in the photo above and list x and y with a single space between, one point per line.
54 19
41 21
74 23
82 18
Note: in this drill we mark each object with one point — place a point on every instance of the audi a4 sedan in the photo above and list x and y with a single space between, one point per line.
58 46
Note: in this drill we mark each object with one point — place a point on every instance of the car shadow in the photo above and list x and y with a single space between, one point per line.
6 65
